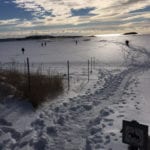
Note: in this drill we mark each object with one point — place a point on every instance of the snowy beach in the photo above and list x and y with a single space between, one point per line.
89 116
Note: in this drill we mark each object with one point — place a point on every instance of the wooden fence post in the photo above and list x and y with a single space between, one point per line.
1 67
68 74
29 80
24 64
88 70
94 62
91 65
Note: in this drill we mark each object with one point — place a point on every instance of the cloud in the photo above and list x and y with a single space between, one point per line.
94 16
9 22
62 9
133 16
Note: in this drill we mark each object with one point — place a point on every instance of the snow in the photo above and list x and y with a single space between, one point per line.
88 116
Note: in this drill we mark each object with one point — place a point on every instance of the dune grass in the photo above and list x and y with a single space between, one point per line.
42 87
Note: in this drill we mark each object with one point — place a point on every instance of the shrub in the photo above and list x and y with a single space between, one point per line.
42 87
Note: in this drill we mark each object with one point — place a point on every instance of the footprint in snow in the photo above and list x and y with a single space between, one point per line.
61 120
124 102
4 122
25 133
109 122
120 116
38 124
107 140
95 130
112 134
87 93
88 145
14 134
121 112
103 125
97 139
116 139
95 103
95 121
121 106
98 146
87 107
56 109
75 108
41 144
136 85
41 115
95 86
65 104
106 112
52 131
115 103
137 108
24 143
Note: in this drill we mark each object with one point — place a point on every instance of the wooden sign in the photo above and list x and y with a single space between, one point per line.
135 134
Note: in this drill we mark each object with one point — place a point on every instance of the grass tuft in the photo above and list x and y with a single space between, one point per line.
42 87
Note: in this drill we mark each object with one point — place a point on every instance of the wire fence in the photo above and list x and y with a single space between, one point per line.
71 72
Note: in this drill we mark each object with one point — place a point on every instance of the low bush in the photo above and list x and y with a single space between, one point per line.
42 87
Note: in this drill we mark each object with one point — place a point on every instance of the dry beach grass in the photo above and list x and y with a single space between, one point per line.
42 87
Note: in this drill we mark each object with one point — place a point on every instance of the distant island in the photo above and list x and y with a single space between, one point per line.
128 33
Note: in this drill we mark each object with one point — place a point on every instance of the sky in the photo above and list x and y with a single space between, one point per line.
73 17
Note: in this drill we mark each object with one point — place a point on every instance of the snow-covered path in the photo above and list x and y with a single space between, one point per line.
82 123
86 122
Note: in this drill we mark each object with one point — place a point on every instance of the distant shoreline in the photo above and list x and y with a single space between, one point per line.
43 37
37 37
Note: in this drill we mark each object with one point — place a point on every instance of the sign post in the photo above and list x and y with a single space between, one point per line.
135 134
